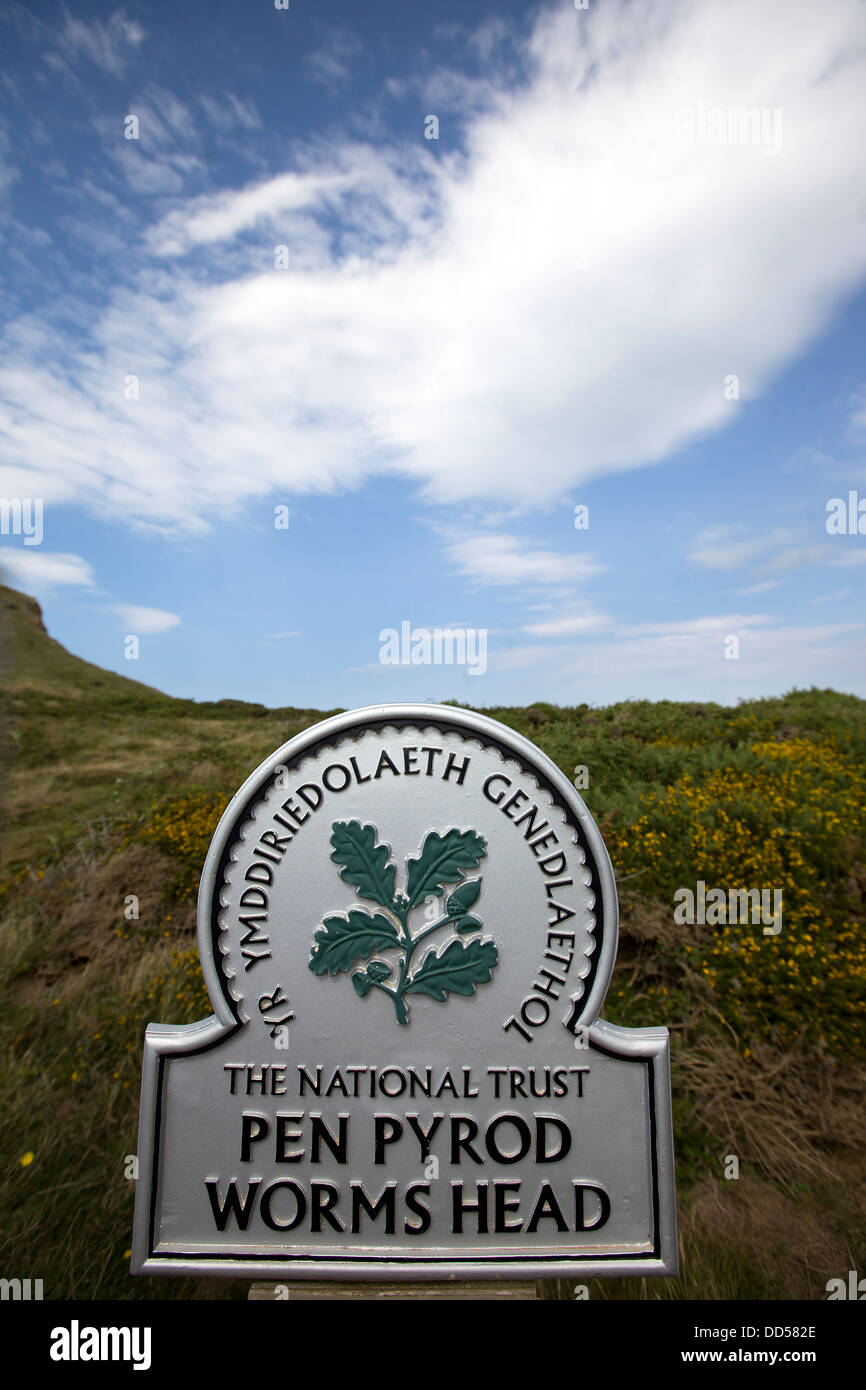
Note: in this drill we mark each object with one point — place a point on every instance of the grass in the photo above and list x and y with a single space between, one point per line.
768 1037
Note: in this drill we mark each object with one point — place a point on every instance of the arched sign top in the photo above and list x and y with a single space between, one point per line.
384 782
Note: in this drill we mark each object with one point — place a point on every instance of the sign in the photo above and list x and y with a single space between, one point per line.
407 925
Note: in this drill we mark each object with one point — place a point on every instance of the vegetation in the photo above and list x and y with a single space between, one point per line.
113 788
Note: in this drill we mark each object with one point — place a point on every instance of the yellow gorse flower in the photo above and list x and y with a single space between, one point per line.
788 820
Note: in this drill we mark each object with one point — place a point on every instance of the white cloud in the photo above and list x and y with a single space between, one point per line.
331 64
720 547
687 629
716 548
760 588
831 597
37 569
509 560
107 44
150 620
9 171
490 35
221 216
851 557
560 302
648 660
857 419
569 626
169 147
230 112
798 557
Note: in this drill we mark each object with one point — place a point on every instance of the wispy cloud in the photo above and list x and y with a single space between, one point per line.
511 560
331 65
569 625
221 216
38 569
722 547
835 551
9 171
229 112
797 557
759 588
168 150
685 629
105 43
832 597
149 620
857 420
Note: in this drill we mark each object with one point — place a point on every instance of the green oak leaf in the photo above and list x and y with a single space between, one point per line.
343 939
443 859
464 924
362 982
366 864
460 901
378 970
458 968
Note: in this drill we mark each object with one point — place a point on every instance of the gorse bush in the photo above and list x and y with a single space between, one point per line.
183 828
790 815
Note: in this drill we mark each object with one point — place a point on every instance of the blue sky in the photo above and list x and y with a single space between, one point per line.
628 273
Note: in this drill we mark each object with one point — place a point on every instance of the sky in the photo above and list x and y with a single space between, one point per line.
334 327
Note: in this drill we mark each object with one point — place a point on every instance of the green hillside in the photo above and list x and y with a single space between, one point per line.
113 788
87 744
40 668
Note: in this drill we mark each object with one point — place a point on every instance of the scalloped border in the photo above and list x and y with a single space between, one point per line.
471 727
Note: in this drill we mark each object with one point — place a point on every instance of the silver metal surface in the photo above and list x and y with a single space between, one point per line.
307 1096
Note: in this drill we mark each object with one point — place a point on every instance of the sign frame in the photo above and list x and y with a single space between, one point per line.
166 1045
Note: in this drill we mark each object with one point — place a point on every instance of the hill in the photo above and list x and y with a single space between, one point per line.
113 791
37 665
86 744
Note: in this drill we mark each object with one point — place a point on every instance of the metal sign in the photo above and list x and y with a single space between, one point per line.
407 925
